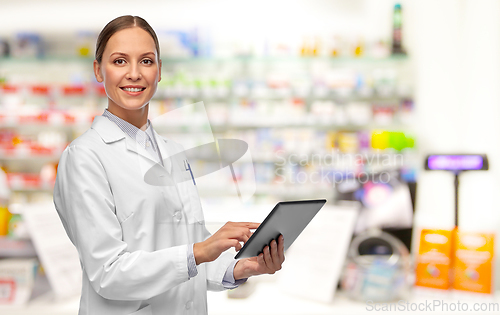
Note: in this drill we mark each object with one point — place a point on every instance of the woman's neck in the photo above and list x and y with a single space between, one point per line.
136 117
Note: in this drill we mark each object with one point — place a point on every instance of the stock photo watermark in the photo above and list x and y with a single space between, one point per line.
431 306
335 167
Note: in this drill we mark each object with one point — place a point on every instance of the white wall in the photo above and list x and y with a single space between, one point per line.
457 52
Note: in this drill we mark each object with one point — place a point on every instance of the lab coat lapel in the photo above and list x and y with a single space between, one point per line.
133 146
110 133
165 153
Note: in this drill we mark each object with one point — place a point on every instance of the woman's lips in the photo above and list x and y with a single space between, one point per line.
133 91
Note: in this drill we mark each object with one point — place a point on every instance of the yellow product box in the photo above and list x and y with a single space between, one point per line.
434 259
473 262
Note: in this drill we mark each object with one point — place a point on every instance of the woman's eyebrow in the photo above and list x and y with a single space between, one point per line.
126 55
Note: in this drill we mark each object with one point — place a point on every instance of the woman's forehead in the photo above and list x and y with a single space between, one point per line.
133 40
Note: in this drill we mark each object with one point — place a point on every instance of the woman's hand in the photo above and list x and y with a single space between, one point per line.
268 262
230 235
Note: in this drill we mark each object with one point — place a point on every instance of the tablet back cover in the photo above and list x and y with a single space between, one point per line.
288 218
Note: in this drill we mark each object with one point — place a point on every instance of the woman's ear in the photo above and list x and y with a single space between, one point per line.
159 70
97 72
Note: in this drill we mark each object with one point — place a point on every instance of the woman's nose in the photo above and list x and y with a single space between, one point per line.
134 72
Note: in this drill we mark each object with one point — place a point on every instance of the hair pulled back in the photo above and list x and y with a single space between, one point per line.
118 24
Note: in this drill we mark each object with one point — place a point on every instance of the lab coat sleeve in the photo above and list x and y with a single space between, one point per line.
217 269
85 204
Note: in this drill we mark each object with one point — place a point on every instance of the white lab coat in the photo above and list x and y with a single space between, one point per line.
131 236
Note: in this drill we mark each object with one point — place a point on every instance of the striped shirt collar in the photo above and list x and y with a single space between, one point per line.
131 130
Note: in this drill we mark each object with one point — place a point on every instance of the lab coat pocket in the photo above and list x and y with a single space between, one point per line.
143 311
190 198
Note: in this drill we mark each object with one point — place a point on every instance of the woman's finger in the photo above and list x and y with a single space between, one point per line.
249 225
260 260
281 248
245 238
276 264
248 234
267 258
234 243
237 247
240 234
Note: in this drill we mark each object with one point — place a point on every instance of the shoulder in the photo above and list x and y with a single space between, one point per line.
88 146
98 135
89 139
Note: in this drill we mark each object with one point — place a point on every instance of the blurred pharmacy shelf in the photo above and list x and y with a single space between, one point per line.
16 248
307 120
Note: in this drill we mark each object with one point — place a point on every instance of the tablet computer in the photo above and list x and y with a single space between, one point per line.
288 218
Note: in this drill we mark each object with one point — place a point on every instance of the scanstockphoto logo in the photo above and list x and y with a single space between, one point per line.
336 167
432 306
191 154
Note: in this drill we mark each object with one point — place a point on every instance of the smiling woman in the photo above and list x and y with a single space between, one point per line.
143 249
130 66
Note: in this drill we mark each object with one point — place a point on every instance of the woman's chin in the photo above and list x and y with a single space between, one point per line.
128 106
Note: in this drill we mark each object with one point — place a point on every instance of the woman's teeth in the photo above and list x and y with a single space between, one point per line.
133 89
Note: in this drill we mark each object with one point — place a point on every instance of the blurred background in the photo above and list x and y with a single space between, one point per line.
337 99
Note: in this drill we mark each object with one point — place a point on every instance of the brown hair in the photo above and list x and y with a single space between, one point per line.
118 24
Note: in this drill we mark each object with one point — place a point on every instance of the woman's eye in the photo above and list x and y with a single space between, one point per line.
148 61
119 61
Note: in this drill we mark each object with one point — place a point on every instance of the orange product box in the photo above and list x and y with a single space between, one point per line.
40 89
473 262
8 88
434 259
73 90
4 220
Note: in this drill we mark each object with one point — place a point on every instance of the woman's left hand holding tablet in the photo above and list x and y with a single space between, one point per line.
268 262
230 235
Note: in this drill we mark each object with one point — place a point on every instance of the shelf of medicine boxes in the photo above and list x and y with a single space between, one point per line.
210 77
207 79
31 182
223 129
174 91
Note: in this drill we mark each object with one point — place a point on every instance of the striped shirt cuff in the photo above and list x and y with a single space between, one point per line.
228 282
191 262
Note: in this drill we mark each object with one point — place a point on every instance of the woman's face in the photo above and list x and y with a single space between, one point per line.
130 68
